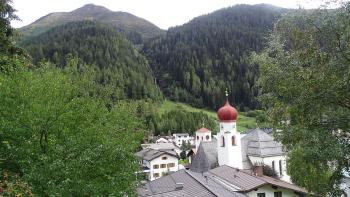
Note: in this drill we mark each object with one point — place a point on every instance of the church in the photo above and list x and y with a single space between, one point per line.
229 164
253 150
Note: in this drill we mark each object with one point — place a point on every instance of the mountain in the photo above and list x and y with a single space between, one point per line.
196 62
136 29
121 72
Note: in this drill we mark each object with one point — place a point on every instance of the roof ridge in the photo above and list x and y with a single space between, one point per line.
210 190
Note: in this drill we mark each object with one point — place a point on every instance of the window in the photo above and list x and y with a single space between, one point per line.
222 141
280 163
163 166
170 165
277 194
261 195
164 158
233 140
207 137
202 138
155 166
156 175
273 166
197 137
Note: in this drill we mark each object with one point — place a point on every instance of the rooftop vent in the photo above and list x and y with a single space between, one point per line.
179 186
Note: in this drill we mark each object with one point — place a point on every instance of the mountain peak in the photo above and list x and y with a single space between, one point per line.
91 8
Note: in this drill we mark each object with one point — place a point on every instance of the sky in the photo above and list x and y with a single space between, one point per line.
163 13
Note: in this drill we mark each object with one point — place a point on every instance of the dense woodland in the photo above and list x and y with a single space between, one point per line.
196 62
117 67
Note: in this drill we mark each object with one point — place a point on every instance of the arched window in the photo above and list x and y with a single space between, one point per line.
207 137
233 140
222 141
197 137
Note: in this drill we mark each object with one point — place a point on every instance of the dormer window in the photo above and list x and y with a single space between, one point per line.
233 139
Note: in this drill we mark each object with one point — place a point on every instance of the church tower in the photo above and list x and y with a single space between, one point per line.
229 140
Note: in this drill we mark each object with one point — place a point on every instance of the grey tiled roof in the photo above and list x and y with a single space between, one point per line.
258 143
165 186
247 181
150 154
206 157
160 146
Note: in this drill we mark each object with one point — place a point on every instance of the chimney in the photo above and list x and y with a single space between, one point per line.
179 186
258 170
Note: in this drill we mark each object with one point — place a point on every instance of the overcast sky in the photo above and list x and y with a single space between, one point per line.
163 13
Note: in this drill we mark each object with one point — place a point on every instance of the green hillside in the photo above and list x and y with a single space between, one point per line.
243 123
134 28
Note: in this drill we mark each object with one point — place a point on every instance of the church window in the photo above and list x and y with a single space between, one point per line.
207 137
202 138
273 166
233 140
222 141
197 137
280 164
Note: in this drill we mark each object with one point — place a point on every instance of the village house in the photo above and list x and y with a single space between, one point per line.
180 138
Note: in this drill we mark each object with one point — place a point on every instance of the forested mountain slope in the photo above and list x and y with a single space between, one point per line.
196 62
134 28
120 70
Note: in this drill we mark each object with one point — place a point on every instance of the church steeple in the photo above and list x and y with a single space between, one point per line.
229 145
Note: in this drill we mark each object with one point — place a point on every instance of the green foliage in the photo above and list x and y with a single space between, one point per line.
183 155
6 31
243 123
63 143
304 78
196 62
268 171
111 62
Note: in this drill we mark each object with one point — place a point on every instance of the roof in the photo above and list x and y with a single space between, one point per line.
194 185
206 157
160 146
150 154
260 144
247 181
181 134
223 181
203 130
165 186
227 113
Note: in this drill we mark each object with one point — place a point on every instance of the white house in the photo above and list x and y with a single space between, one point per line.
180 138
157 163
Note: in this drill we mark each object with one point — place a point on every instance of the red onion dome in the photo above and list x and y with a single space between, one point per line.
227 113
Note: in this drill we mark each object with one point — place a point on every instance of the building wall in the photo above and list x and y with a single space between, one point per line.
229 154
268 161
161 171
269 192
179 139
202 137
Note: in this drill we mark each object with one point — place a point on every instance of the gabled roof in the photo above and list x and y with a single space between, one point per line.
150 154
247 181
260 144
166 186
160 146
206 157
194 185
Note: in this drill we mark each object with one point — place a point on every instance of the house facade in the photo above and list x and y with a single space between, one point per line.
180 138
157 163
